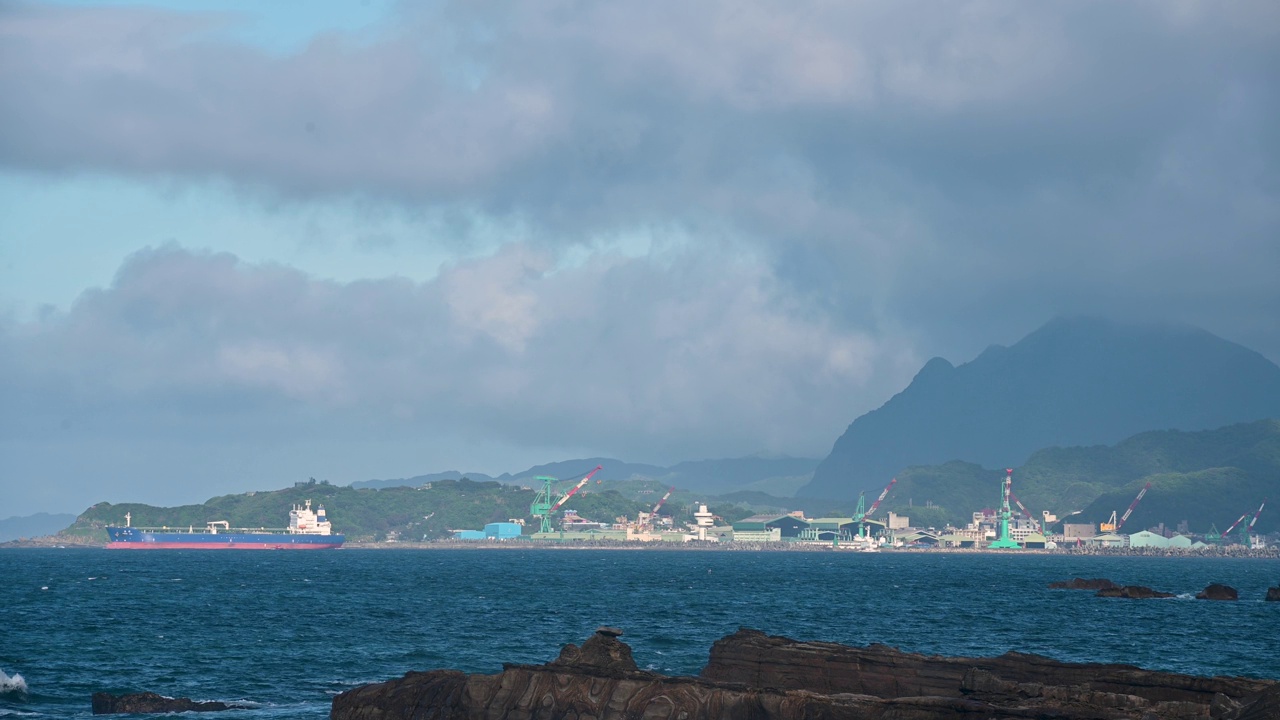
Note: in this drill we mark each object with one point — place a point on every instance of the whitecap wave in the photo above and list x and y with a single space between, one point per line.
15 685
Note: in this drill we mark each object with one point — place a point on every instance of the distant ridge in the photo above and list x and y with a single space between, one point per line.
1074 381
38 525
778 475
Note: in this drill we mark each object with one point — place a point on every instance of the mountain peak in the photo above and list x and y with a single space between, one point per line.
1073 381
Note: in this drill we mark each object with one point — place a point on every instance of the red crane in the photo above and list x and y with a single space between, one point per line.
1039 528
860 516
1254 521
1234 524
654 511
1132 505
1247 533
575 489
1248 529
880 499
645 520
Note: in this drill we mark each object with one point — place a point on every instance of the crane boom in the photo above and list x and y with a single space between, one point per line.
1025 511
884 493
575 489
1254 521
1227 532
1246 533
1132 505
654 511
862 499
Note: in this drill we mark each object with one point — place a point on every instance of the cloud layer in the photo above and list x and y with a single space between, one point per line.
626 356
831 193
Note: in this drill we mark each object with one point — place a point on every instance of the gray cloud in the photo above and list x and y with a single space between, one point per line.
899 163
628 356
841 190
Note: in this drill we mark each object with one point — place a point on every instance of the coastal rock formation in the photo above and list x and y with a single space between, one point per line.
149 702
1218 591
754 676
1273 594
1133 592
1083 584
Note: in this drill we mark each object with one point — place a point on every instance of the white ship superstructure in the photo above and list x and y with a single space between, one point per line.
302 521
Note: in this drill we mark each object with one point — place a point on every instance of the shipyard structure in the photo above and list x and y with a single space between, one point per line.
1009 526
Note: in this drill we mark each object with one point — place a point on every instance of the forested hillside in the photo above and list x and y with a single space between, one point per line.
427 512
1080 381
1207 477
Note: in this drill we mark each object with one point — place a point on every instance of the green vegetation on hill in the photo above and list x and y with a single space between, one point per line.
431 511
1204 478
779 475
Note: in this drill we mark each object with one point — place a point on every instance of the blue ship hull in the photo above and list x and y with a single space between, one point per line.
132 538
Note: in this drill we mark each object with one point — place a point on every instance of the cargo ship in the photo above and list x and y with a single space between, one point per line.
307 531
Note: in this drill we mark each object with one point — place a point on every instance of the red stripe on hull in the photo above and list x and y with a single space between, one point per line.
218 546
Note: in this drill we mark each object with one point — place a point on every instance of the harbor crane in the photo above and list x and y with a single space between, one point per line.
654 511
1246 532
1113 525
645 520
1034 522
862 515
1227 534
542 506
1004 541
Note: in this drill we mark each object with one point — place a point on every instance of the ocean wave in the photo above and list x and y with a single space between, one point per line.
15 685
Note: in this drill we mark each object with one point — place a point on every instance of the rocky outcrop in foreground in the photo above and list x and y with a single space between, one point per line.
753 676
149 702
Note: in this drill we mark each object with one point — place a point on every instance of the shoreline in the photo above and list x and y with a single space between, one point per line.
1271 552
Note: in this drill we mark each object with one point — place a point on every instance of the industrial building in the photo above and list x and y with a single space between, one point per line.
768 528
493 531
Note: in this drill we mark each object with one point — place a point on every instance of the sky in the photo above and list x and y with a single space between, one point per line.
243 244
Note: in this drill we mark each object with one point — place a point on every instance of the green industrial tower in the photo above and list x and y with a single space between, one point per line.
1004 542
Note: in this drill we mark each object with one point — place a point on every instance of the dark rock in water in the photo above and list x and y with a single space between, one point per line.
1218 591
753 676
1082 584
601 650
149 702
1134 592
1273 594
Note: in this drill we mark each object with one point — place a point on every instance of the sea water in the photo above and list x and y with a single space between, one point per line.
283 632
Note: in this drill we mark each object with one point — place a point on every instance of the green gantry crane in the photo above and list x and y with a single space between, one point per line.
542 505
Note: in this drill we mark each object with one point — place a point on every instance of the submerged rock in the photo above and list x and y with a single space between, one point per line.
1218 591
754 676
1133 592
1082 584
149 702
